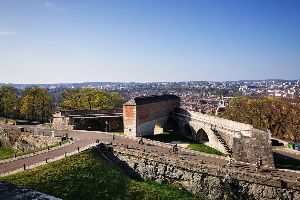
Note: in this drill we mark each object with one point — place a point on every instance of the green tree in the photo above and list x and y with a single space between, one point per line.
89 95
88 99
9 102
36 104
72 99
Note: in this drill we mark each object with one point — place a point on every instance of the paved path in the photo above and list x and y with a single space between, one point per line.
84 138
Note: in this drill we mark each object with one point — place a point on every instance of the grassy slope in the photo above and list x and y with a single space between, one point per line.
88 175
6 152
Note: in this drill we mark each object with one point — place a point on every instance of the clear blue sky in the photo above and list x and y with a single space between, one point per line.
64 41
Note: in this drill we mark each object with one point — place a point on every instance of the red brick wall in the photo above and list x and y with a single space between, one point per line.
129 114
152 111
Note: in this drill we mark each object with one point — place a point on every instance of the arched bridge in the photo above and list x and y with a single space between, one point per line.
245 142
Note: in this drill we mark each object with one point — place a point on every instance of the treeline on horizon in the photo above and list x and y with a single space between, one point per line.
280 116
35 104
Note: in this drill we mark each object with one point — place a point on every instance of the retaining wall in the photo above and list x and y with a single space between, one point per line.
203 180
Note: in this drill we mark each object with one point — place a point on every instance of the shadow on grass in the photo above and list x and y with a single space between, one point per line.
168 137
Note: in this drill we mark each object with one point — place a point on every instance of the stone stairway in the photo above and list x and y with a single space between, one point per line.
222 141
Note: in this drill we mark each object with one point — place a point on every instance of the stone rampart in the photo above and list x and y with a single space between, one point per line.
209 181
249 149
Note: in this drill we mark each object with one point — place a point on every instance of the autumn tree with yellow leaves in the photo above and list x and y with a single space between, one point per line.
281 117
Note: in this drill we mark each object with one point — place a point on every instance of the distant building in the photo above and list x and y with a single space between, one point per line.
221 108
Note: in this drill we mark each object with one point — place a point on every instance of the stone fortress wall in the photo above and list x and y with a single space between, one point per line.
77 119
213 182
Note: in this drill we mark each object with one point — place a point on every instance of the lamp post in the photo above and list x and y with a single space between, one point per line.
106 123
63 126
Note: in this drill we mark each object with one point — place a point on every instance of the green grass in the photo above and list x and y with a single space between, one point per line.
47 124
88 175
172 136
6 153
121 133
206 149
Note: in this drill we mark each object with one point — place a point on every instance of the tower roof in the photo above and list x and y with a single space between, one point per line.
151 99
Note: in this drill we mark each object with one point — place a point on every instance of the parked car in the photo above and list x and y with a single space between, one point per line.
294 145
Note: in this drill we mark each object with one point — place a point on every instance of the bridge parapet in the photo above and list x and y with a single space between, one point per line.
217 122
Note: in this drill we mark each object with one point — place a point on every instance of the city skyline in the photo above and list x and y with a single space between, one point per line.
45 42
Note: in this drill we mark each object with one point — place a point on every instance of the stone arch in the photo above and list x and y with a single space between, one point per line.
187 130
202 136
172 125
92 125
158 128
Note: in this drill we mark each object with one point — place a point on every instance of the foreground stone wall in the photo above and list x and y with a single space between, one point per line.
203 180
12 191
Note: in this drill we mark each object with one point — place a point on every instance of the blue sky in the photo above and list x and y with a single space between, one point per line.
148 40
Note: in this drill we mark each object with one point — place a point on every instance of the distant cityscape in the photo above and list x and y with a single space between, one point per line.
199 96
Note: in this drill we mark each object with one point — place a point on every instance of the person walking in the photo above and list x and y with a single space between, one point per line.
257 166
175 148
229 160
141 140
260 161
